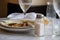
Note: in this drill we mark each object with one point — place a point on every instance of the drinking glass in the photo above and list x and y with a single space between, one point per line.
56 27
25 5
50 12
56 4
51 15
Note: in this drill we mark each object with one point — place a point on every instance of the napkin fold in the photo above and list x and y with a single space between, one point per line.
31 16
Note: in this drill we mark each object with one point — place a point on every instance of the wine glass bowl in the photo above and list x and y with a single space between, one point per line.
56 4
25 5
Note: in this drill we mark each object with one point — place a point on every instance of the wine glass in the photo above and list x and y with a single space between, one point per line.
56 4
25 5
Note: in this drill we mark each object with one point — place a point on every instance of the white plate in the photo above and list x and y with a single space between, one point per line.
16 29
12 29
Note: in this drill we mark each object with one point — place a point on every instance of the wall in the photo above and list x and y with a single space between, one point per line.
34 2
39 2
13 1
3 8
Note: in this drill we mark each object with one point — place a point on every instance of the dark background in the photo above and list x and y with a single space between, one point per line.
16 8
12 8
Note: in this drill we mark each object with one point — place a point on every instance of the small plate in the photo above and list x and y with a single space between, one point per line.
17 30
14 29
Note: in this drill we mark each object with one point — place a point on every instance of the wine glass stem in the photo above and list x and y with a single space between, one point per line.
24 13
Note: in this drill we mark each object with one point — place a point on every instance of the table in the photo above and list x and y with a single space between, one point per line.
17 36
5 35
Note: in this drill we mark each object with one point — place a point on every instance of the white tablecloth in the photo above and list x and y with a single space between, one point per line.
5 35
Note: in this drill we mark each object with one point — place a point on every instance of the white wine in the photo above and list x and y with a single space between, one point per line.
25 6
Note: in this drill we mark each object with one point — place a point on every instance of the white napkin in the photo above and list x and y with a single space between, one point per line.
31 16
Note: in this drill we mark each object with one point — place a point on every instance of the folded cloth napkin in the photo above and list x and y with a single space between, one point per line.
31 16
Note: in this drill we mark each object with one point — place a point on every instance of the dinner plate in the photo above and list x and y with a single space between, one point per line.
15 29
12 29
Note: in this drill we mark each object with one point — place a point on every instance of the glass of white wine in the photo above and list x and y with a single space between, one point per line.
25 5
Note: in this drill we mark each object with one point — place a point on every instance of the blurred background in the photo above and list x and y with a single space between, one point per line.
11 6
